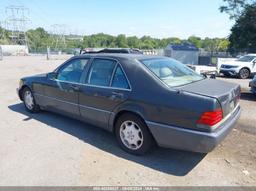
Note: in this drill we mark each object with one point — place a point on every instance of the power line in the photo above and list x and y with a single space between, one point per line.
58 36
16 22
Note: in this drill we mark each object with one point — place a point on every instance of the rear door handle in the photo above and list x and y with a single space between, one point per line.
117 94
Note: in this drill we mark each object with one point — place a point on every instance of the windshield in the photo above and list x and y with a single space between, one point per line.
246 58
171 72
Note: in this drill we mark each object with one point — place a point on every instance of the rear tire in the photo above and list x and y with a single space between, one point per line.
133 134
29 101
244 73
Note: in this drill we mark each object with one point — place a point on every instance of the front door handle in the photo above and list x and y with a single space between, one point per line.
74 87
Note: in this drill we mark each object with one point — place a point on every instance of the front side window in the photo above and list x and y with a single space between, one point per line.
119 79
171 72
101 72
73 71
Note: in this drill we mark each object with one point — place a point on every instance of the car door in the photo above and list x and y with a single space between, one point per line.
106 86
62 91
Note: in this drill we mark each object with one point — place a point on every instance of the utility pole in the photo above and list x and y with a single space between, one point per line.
16 22
58 36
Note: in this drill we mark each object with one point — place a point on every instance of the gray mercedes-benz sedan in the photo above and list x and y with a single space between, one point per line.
142 99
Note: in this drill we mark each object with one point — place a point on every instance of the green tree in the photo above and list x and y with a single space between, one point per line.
196 41
38 39
4 36
223 45
165 41
121 41
235 7
133 42
243 33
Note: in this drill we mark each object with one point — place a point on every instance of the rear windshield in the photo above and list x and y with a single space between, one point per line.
171 72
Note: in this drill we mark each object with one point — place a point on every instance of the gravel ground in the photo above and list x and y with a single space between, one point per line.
51 150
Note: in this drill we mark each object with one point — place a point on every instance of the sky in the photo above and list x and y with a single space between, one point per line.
156 18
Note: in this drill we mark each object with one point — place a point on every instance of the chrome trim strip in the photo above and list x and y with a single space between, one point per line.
106 87
89 85
56 99
79 105
93 108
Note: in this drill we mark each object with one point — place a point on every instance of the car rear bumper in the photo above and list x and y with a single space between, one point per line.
191 140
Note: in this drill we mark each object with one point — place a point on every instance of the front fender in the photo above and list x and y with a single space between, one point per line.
23 84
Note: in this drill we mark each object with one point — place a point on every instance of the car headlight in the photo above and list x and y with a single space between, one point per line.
21 83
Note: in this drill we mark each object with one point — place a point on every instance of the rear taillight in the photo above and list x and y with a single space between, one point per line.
210 118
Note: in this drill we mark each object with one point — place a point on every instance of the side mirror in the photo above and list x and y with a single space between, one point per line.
52 75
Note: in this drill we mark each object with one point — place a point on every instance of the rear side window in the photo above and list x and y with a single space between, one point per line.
119 79
101 72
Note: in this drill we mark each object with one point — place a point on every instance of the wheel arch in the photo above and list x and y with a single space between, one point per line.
21 90
246 67
136 113
123 112
127 107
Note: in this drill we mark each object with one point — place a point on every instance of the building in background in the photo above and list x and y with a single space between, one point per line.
185 53
14 50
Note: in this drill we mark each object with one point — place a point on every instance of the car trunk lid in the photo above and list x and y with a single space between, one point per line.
226 93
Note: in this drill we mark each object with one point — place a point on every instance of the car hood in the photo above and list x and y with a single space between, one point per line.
234 63
36 76
226 93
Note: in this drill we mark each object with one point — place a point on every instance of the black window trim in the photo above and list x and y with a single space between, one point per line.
112 76
83 80
89 75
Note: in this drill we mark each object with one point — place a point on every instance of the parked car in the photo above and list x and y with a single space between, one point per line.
142 99
243 67
114 50
253 85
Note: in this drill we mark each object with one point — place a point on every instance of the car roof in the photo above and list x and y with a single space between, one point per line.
119 56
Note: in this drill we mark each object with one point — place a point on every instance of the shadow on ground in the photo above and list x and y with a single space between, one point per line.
178 163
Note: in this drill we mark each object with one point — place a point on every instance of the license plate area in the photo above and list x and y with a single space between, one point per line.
232 106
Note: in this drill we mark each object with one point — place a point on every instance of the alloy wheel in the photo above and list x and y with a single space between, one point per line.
131 135
29 100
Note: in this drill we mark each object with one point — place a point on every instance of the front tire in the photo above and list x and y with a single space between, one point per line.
29 101
244 73
133 134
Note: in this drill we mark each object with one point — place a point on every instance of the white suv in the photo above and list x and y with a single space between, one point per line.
243 67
